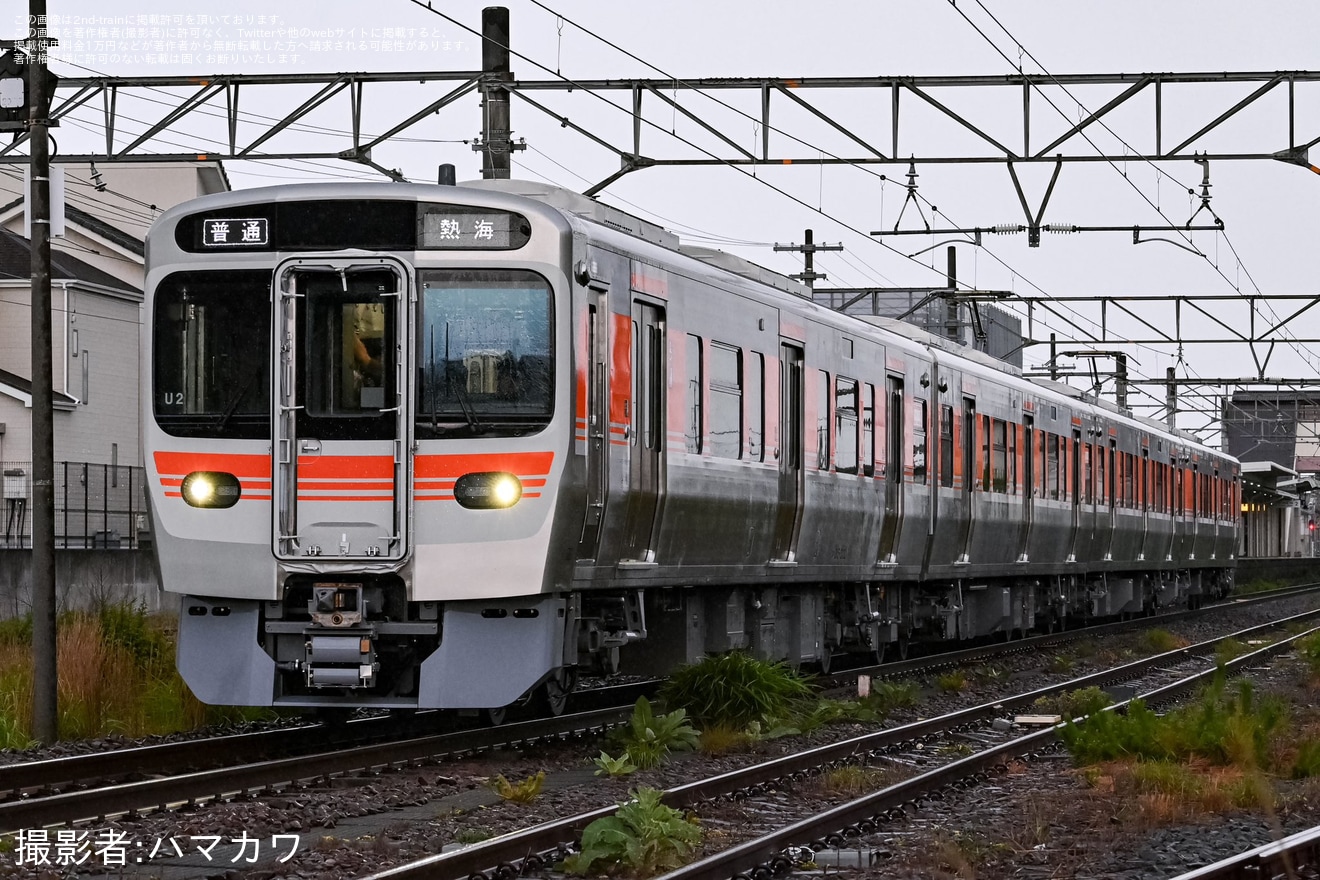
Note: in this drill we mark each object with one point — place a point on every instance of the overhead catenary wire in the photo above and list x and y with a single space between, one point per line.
1302 350
866 170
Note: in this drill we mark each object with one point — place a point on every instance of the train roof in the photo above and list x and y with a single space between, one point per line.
597 212
592 210
589 209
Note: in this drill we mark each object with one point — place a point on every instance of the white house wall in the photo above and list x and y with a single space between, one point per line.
109 339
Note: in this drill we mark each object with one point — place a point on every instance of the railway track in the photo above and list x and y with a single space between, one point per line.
86 787
1297 855
766 854
376 744
967 656
346 759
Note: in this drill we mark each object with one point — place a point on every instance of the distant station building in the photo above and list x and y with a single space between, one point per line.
985 328
1276 434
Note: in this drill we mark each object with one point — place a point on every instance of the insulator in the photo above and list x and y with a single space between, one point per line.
1062 228
1005 229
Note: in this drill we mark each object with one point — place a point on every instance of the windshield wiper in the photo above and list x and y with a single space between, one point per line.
232 406
468 412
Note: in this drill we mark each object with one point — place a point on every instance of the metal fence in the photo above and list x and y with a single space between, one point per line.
97 506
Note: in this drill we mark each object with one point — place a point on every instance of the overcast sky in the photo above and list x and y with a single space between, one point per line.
1269 208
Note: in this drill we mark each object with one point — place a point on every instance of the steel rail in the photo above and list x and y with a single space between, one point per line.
764 857
535 847
72 807
964 656
178 757
1279 858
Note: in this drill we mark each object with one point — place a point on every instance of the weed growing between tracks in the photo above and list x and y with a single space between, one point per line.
649 737
116 676
1221 752
643 838
736 690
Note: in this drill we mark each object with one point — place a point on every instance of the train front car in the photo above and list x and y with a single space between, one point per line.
359 418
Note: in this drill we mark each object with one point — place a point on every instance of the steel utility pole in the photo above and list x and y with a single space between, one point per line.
45 709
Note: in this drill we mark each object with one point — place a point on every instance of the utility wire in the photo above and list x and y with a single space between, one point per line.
1300 348
883 178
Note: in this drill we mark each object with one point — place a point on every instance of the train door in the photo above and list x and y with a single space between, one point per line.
1144 492
894 459
598 418
1075 490
646 430
969 474
1028 447
341 452
788 518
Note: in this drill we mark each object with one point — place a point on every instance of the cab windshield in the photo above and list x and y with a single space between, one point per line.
211 354
484 355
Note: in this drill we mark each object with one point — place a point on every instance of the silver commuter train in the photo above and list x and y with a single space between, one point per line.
415 446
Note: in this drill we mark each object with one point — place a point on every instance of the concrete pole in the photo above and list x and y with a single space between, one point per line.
497 151
45 709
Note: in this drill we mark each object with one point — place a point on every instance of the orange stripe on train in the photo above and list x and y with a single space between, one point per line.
454 466
233 463
357 467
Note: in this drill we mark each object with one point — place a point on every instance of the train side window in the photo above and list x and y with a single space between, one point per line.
918 440
638 391
1043 485
845 425
946 445
1144 489
1052 466
998 456
1129 480
1011 430
692 431
755 406
1029 458
1112 485
894 457
725 401
822 420
868 429
985 454
1100 494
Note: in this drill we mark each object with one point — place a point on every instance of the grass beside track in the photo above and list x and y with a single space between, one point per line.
116 677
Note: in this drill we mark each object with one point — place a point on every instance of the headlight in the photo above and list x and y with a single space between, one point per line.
485 491
211 489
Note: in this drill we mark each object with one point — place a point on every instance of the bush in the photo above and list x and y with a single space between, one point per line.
735 690
1226 729
643 838
649 738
